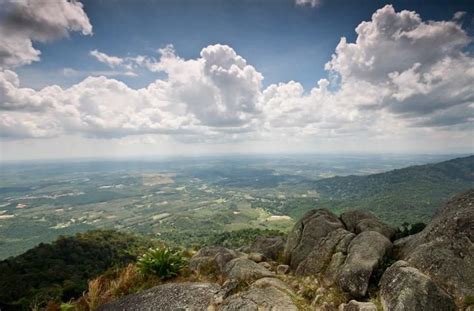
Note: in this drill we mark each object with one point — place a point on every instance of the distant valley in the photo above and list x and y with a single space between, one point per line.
191 202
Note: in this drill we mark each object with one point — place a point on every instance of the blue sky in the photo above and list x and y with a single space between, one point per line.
282 40
115 78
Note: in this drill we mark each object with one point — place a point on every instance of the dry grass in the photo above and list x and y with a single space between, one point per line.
104 289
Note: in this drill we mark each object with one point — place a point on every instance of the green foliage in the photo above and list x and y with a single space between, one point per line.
163 261
59 271
407 229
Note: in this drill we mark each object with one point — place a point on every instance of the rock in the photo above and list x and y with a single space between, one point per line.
307 234
270 247
317 260
266 265
354 305
358 221
444 250
325 307
364 254
256 257
264 294
245 270
211 259
283 269
272 282
171 296
406 288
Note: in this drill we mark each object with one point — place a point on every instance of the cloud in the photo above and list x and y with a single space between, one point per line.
111 61
419 67
29 20
401 77
215 93
311 3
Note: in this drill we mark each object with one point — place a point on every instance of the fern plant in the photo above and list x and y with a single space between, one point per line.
163 262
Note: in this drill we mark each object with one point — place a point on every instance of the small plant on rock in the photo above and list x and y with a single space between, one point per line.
163 262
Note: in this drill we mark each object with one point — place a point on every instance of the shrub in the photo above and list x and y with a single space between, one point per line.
163 262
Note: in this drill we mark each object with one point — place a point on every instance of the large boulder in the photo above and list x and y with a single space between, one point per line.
270 247
358 221
364 254
444 250
171 296
405 288
319 258
245 270
308 233
264 294
211 259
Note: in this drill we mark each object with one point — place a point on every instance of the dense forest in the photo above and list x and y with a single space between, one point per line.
60 270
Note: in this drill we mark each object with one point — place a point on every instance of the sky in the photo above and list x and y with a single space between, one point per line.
116 78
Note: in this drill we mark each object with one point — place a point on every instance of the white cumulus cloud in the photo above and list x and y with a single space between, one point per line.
26 21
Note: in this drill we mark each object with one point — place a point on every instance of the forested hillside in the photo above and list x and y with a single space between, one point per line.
60 270
400 195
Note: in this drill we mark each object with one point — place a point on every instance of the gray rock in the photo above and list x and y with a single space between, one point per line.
256 257
358 221
265 294
171 296
266 265
317 260
444 250
406 288
211 259
270 247
283 269
272 282
308 233
354 305
364 254
245 270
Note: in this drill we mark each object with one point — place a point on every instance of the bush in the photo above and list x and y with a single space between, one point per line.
163 262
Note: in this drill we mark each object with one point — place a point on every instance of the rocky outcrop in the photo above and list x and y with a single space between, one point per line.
444 250
172 296
405 288
270 247
245 270
321 244
308 233
264 294
354 305
364 254
211 259
320 257
358 221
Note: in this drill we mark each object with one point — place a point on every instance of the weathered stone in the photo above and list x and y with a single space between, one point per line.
358 221
264 294
266 265
256 257
406 288
354 305
272 282
245 270
283 269
171 296
444 250
211 259
270 247
307 233
320 257
364 254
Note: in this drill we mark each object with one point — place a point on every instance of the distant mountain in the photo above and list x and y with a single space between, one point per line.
409 194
